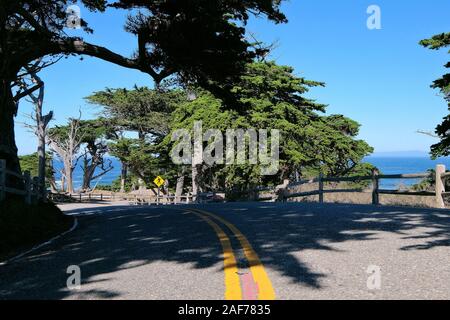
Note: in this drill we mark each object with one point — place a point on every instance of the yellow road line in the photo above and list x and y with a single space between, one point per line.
266 291
232 282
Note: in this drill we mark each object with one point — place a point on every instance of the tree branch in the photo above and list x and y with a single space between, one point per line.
78 46
27 92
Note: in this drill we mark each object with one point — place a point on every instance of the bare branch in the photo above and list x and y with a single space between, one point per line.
27 92
428 133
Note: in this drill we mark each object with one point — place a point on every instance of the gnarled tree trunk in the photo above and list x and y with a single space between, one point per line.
42 122
123 176
8 148
90 165
68 174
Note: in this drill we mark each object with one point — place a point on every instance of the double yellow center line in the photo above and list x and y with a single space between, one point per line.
233 289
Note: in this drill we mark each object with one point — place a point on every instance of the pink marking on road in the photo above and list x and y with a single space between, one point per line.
250 289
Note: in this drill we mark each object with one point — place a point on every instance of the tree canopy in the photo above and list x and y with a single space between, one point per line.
185 37
141 110
442 148
274 99
194 41
29 162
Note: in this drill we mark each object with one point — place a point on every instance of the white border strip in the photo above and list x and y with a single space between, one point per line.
74 226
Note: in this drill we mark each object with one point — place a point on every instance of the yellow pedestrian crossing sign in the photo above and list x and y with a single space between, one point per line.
159 181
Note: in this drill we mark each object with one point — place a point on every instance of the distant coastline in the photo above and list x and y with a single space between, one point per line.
401 154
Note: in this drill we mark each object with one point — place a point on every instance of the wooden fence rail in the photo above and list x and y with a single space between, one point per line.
282 193
31 191
162 200
80 197
375 178
135 199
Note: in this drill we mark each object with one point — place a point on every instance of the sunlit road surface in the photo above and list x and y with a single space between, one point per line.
241 251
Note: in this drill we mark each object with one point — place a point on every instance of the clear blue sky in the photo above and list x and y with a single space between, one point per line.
380 78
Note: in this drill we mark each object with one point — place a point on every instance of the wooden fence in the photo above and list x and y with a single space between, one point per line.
31 191
81 197
439 192
135 199
161 200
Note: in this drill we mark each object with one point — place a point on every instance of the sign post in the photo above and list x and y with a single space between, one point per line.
159 181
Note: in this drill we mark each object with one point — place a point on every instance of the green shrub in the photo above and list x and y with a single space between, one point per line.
104 187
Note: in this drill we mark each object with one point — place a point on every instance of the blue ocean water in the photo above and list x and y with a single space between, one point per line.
386 164
399 165
106 179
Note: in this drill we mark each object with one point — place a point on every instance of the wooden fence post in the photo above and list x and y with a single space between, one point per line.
439 186
375 187
321 187
2 179
27 178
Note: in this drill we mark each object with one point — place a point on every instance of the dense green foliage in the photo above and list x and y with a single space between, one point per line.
429 183
30 162
145 112
130 183
141 110
274 99
442 148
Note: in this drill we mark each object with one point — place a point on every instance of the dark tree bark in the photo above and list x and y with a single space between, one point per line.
123 176
41 121
90 165
68 174
52 182
8 148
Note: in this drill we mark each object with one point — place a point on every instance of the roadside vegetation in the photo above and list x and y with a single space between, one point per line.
274 98
442 148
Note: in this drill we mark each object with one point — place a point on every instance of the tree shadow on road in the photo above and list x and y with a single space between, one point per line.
120 239
111 241
277 231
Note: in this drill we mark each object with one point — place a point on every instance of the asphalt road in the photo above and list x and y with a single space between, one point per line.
241 251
